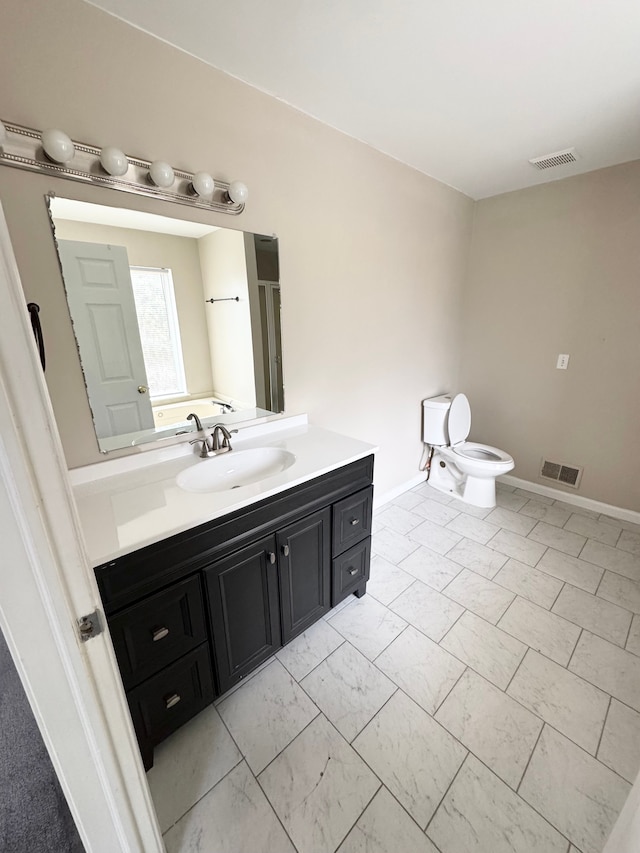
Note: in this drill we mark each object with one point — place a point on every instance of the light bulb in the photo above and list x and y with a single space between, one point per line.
113 161
161 174
238 192
203 184
57 145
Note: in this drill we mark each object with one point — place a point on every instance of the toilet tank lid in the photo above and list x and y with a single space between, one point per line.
441 402
459 421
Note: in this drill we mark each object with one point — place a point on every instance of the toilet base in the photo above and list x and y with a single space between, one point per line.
446 477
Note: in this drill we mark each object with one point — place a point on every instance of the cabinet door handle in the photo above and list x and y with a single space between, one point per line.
353 571
285 550
160 634
271 557
172 700
354 521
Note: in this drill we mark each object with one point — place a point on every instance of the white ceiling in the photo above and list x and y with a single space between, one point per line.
465 91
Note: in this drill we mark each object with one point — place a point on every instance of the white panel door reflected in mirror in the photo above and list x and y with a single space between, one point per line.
152 348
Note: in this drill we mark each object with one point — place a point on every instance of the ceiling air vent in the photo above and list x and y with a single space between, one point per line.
568 475
559 158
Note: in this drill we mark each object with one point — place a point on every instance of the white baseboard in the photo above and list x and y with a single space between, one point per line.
577 500
381 500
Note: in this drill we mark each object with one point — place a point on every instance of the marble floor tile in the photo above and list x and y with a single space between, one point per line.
427 610
430 568
398 519
427 491
236 814
497 730
469 509
480 814
610 668
620 522
570 569
189 764
621 591
391 545
348 690
385 827
510 500
318 787
564 700
558 538
592 528
480 595
620 744
387 581
529 583
407 500
516 522
285 709
573 508
601 617
480 559
630 541
309 649
439 539
543 631
368 625
434 511
412 754
613 559
487 650
577 794
424 670
633 642
521 549
543 512
534 496
473 528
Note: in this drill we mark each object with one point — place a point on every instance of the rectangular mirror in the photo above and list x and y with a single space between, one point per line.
170 317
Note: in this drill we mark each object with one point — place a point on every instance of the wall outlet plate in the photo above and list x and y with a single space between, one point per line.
563 362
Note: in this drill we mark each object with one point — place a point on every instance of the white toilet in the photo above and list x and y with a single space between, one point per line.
462 468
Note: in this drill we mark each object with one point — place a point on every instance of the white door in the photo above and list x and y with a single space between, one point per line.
100 297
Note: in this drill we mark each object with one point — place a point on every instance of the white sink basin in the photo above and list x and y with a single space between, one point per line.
234 469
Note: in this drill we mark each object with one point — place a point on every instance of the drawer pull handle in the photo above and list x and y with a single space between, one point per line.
354 521
160 634
172 700
271 556
285 550
353 571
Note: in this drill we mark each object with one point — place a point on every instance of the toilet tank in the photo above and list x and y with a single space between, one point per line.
434 420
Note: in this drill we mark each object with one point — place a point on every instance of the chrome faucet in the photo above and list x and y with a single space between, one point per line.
223 446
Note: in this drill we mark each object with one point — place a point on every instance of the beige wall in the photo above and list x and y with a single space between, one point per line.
180 255
555 269
224 273
372 253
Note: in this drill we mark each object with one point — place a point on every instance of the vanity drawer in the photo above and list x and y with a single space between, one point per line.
167 700
350 570
154 633
352 520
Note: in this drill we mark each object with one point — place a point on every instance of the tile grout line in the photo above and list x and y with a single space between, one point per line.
604 725
444 796
524 773
568 664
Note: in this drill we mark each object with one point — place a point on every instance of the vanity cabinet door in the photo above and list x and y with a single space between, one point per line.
244 610
304 556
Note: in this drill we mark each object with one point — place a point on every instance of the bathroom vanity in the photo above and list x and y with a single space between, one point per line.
195 611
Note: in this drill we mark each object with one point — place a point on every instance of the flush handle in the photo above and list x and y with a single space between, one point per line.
285 550
160 634
172 700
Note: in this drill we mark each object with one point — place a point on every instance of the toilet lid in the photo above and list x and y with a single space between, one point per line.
459 422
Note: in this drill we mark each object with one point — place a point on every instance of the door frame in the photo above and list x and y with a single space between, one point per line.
47 583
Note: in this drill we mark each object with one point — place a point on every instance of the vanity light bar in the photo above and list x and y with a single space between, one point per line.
52 152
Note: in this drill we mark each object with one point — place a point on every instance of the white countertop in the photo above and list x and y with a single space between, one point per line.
122 513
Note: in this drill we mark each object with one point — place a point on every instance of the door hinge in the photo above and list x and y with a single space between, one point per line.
89 626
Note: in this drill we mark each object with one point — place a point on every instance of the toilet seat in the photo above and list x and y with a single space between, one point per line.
481 452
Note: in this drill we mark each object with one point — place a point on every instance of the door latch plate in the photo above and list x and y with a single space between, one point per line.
89 626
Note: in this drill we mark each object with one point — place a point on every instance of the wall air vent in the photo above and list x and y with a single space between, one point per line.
559 158
568 475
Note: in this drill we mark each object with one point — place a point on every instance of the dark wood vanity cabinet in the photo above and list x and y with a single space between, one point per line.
194 614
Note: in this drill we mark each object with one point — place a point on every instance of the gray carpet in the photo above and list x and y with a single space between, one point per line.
34 816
